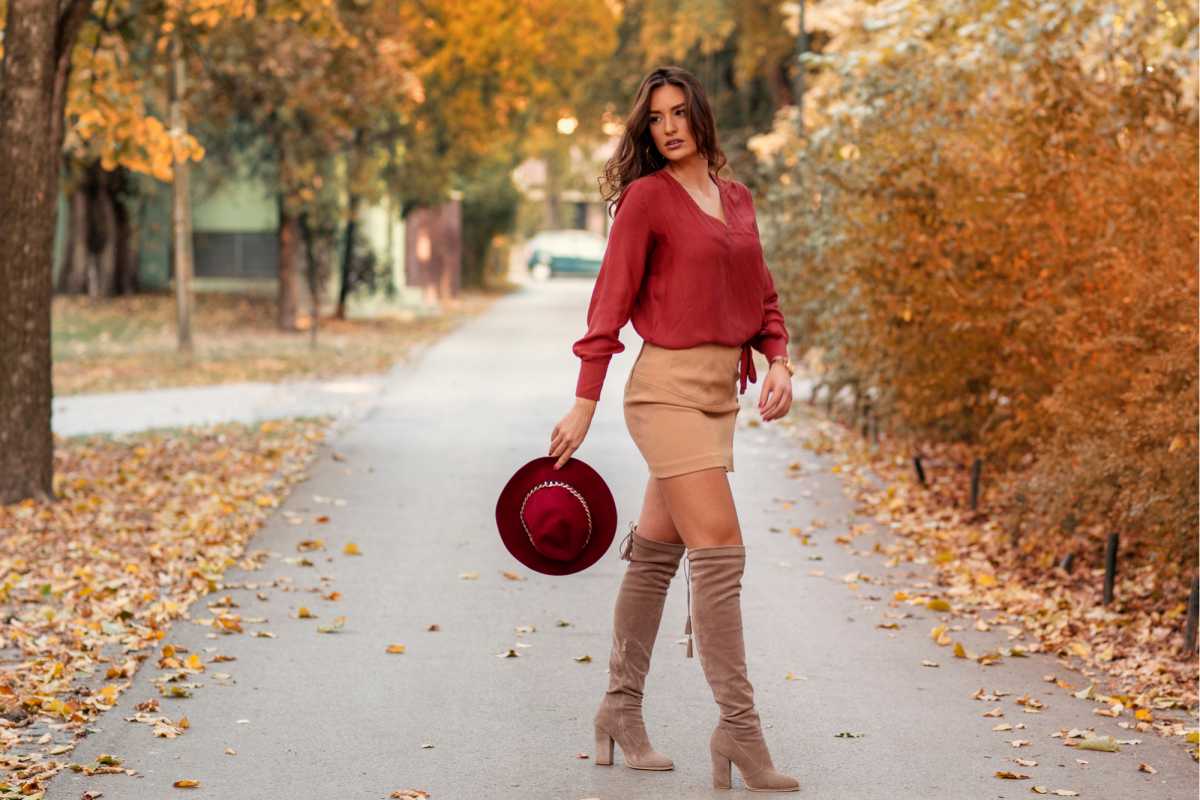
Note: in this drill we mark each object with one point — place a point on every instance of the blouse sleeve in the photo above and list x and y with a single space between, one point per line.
621 270
772 337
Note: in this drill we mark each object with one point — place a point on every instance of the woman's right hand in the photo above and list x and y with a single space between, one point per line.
570 431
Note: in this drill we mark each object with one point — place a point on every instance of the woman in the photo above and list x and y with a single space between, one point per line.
684 262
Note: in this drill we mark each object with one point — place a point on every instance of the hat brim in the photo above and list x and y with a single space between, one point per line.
584 479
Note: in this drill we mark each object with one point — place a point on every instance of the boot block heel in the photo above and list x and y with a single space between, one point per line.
604 748
722 771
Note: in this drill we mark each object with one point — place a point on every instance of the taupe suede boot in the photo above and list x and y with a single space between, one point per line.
716 617
638 611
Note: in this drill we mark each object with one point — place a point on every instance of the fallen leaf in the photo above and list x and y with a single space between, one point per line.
338 623
395 648
584 659
186 783
351 549
1003 773
1104 744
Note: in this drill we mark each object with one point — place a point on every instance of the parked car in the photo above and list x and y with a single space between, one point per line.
563 252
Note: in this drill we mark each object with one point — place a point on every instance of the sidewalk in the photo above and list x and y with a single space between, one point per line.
127 412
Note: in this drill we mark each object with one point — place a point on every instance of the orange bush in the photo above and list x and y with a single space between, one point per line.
995 239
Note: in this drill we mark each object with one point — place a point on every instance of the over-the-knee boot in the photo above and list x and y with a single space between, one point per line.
716 617
638 611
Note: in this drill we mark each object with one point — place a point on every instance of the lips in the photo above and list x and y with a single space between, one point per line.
674 142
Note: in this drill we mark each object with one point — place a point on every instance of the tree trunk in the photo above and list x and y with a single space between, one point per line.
127 241
348 257
289 302
313 276
73 279
103 237
181 205
33 72
102 248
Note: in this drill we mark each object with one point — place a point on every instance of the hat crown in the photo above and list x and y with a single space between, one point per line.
556 519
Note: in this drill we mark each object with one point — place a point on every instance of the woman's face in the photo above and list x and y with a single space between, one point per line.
669 123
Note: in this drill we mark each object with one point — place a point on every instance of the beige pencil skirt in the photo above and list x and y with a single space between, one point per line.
681 406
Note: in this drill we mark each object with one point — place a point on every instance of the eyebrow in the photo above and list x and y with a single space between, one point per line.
656 111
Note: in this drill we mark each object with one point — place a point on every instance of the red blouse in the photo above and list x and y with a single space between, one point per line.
684 278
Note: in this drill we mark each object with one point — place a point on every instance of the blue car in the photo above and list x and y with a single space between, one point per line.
565 252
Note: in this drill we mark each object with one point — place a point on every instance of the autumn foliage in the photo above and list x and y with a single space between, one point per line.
990 232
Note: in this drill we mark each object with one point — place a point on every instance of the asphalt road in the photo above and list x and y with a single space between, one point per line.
313 715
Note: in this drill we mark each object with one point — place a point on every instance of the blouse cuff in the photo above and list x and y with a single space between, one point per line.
773 347
591 377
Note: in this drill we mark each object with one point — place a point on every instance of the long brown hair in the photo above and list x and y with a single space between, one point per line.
636 154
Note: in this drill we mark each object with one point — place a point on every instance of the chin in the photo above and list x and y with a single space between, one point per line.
678 155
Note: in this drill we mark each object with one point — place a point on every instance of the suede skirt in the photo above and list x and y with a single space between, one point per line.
681 405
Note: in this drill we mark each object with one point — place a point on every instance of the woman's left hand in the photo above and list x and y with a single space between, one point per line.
775 397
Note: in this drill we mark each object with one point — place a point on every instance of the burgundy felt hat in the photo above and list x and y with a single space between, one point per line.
556 521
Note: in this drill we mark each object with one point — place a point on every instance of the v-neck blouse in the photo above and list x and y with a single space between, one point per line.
683 277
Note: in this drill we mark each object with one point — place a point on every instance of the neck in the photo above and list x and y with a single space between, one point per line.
692 171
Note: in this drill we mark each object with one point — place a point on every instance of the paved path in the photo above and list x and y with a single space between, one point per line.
125 412
313 715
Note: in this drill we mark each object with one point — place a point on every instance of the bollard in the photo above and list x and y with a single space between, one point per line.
1110 567
920 470
866 419
1068 562
1189 636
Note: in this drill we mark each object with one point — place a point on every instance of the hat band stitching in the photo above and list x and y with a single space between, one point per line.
569 488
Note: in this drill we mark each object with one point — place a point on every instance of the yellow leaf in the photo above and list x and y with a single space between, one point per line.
186 783
351 549
395 648
1106 744
937 604
304 613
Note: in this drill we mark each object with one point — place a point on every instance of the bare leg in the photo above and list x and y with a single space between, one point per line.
655 521
700 507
